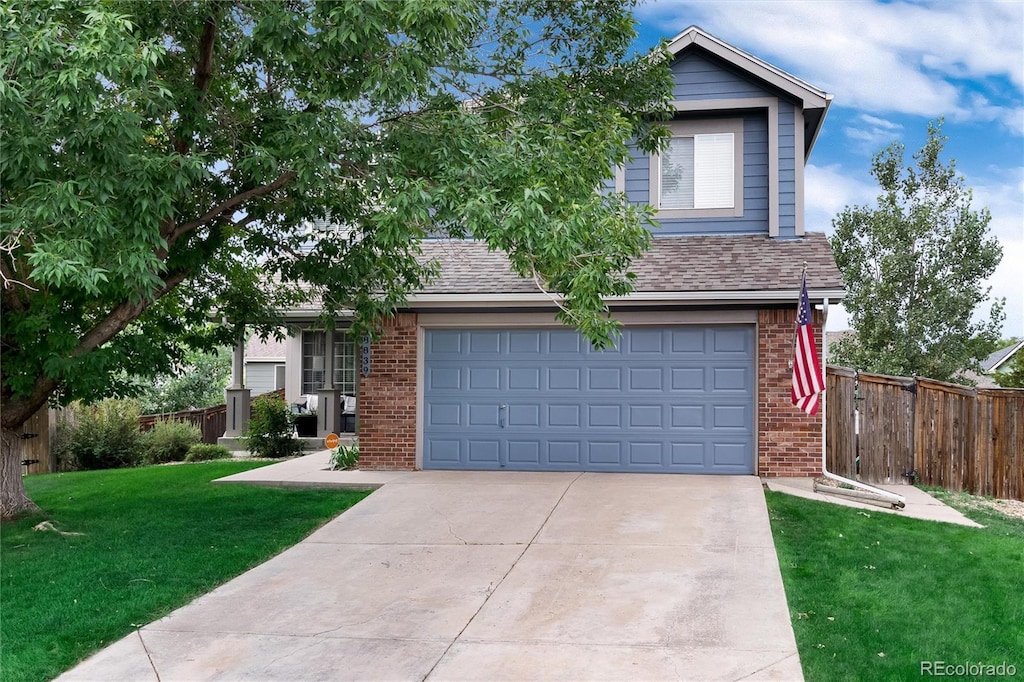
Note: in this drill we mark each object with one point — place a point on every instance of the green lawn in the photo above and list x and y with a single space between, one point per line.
152 539
873 595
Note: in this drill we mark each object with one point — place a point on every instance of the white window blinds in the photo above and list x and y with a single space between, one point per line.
698 172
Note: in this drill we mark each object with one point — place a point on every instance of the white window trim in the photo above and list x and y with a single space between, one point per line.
702 127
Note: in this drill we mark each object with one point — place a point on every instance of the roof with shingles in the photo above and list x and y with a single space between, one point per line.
672 264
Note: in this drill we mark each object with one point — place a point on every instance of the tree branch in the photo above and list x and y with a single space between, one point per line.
228 206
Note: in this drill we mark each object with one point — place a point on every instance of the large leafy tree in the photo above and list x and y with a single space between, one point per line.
168 163
914 267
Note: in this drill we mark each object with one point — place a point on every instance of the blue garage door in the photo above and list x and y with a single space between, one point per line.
673 399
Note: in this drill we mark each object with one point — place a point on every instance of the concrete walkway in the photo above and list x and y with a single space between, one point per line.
920 505
493 576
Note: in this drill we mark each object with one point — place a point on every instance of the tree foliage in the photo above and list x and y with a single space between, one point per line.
914 267
168 163
199 381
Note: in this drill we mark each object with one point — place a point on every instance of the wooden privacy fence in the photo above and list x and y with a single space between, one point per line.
883 429
212 421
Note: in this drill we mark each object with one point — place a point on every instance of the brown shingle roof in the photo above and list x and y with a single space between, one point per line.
688 263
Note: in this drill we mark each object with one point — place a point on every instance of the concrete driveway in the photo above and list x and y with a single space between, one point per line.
497 576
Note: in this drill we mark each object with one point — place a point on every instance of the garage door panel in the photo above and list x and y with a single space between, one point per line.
444 451
728 454
564 379
444 414
445 343
524 452
442 378
730 417
483 451
645 378
561 416
604 378
484 378
688 417
731 341
646 341
483 414
524 378
526 415
563 342
645 453
645 416
485 343
527 342
604 453
673 399
688 341
564 452
730 379
604 416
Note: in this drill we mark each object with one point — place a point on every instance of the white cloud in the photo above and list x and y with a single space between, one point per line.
879 57
830 189
869 133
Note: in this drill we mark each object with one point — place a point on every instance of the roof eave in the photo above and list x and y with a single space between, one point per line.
430 300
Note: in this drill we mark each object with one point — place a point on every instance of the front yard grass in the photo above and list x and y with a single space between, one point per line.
873 595
151 540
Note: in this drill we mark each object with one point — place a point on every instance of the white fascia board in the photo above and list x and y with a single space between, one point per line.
812 97
636 298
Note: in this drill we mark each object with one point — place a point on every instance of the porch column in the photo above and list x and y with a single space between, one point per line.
328 398
237 395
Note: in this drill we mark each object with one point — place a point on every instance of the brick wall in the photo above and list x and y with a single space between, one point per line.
387 399
789 441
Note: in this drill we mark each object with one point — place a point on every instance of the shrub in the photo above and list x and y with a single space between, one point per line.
169 441
101 436
345 456
204 452
270 428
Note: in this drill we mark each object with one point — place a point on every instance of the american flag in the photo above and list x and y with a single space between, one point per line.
807 381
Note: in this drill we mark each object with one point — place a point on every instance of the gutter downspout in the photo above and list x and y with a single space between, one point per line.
870 493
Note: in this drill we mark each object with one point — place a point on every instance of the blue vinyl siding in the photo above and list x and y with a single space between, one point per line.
664 400
698 78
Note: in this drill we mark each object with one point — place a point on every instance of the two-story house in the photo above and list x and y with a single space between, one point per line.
476 373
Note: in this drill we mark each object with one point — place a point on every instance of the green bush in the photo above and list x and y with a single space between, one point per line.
104 435
204 452
270 428
345 456
169 441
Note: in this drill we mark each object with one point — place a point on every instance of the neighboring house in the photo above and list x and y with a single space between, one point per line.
265 365
994 364
476 373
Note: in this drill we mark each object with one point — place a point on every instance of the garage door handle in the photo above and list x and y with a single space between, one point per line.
502 409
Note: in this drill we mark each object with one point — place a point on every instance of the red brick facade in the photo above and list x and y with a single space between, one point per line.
387 399
789 441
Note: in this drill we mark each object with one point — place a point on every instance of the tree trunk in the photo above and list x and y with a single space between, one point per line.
13 499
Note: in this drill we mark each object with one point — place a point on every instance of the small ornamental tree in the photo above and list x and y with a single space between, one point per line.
165 163
914 267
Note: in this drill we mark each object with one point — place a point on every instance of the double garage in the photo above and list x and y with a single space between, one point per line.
667 399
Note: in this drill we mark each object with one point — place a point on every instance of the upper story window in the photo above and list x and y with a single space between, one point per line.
700 173
313 351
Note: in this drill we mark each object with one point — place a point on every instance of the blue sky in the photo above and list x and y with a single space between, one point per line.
892 67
